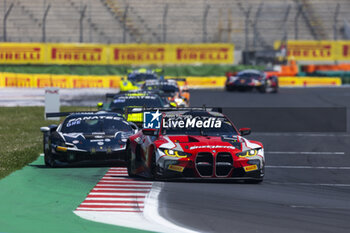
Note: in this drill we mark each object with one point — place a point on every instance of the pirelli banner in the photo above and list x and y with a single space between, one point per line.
115 54
22 53
308 50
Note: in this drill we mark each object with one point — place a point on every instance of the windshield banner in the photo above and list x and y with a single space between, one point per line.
152 120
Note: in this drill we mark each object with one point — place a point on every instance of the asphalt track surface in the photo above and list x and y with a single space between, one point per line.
307 181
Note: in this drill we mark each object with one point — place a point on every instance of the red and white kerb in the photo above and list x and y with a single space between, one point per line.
116 192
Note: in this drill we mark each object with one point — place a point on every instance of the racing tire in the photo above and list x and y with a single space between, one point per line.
49 160
228 88
263 88
275 90
128 161
154 174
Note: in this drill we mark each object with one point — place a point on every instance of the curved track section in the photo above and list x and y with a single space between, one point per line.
307 185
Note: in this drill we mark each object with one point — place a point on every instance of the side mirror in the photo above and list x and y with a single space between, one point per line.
99 105
149 132
44 129
245 131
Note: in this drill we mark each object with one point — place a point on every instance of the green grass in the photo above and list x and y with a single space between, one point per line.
20 138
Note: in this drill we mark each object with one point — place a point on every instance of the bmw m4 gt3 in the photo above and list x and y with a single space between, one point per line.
87 136
193 143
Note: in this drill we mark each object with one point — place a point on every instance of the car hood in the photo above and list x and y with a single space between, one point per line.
102 142
195 144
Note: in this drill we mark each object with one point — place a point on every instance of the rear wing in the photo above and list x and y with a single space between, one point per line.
64 114
133 110
176 79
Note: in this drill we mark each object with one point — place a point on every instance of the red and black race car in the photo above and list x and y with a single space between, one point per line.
251 79
193 143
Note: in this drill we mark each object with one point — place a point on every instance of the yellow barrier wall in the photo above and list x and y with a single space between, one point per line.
309 50
309 81
115 54
76 81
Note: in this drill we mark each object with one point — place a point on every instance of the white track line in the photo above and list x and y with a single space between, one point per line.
151 211
305 152
309 167
308 184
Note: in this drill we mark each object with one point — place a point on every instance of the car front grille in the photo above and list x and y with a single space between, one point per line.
205 163
224 164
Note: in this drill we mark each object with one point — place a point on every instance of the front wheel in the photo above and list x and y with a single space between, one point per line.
128 161
262 89
49 160
228 88
154 169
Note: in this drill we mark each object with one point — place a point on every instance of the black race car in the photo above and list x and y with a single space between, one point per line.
251 79
169 90
86 137
128 102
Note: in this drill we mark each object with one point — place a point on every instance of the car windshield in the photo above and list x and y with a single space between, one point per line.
142 100
108 125
141 77
164 87
197 125
248 75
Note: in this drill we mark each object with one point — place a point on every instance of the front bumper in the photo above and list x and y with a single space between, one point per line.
188 168
78 156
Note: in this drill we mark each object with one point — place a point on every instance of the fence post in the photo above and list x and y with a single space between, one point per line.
44 22
164 26
205 16
255 27
285 20
124 23
7 13
82 15
336 14
247 14
296 28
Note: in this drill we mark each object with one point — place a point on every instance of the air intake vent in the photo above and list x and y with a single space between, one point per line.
224 163
204 163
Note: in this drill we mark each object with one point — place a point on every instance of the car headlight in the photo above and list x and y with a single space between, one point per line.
61 148
247 153
232 79
175 153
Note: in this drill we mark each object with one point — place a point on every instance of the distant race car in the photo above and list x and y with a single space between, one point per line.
251 79
193 143
136 78
170 90
126 103
86 137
